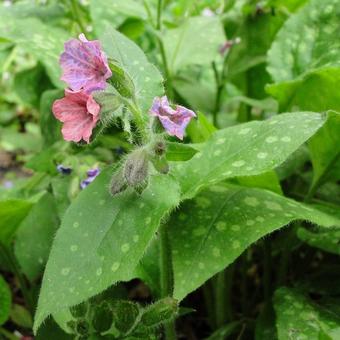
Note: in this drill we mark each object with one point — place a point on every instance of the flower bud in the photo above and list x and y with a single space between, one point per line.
136 167
117 184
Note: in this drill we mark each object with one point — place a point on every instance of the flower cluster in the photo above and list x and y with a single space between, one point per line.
85 69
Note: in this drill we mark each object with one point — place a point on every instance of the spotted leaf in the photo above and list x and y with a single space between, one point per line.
101 240
246 150
212 230
304 58
298 317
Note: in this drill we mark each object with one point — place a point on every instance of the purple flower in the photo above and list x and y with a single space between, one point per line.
84 65
175 120
91 175
64 169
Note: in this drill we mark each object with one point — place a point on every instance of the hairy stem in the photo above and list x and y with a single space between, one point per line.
166 276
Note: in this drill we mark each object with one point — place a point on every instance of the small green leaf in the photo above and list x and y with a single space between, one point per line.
178 152
21 316
161 311
105 237
297 317
5 301
246 150
213 229
125 315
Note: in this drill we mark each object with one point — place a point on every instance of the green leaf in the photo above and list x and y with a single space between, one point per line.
183 45
51 331
21 316
178 152
300 318
327 240
101 240
145 76
304 58
38 41
148 268
35 235
30 84
50 127
268 180
211 231
225 331
324 148
246 150
12 212
5 300
114 12
200 129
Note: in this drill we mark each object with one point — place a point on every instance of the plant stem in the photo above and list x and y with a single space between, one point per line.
223 312
219 90
159 15
7 254
166 276
266 270
158 27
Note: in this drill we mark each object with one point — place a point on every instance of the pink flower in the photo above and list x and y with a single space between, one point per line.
79 112
175 120
84 65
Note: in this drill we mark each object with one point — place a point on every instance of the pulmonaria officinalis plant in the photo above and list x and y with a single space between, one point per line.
173 177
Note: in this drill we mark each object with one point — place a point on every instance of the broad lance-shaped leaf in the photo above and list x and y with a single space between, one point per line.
304 58
145 76
212 230
246 150
298 317
183 45
101 240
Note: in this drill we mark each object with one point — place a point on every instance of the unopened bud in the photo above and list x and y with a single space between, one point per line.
136 167
160 148
117 184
